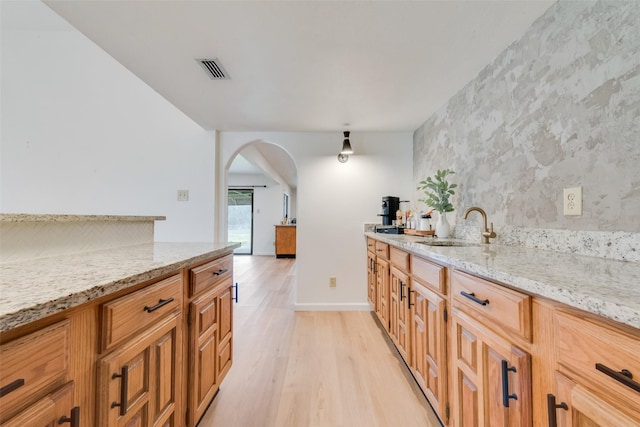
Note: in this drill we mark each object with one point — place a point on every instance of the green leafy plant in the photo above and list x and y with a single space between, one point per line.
437 191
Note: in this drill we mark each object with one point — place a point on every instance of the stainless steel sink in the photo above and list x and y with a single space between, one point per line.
447 243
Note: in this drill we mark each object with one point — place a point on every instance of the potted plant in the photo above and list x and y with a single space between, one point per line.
437 191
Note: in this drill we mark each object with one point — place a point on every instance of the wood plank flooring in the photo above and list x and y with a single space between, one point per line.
309 369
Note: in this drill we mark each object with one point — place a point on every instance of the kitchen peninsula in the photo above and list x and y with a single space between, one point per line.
500 335
112 329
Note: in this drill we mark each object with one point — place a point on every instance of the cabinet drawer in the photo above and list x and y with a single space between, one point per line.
129 314
209 274
33 365
382 250
400 259
432 275
371 245
484 300
597 354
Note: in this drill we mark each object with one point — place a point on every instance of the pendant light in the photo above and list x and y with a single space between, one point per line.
346 148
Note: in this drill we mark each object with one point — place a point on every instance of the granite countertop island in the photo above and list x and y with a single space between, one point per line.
35 288
604 287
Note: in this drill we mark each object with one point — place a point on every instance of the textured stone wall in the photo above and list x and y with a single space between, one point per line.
558 108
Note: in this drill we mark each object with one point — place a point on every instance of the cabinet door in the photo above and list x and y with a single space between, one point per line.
576 406
371 280
203 344
225 331
139 382
491 378
48 411
429 337
403 320
384 298
394 302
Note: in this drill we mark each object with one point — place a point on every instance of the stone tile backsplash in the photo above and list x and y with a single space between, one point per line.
558 108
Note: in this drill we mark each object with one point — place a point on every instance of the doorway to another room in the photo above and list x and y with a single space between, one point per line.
240 220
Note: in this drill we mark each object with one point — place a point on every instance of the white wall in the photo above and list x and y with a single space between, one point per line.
81 134
267 210
334 200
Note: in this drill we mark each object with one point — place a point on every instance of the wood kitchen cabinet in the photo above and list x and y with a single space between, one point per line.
285 241
429 344
594 387
401 302
55 409
371 274
383 291
491 372
210 333
140 377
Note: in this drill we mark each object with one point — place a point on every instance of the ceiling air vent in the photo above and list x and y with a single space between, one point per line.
214 69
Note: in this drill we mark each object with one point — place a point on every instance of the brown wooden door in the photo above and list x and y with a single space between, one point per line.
384 299
403 313
481 361
394 302
577 406
47 411
144 375
225 331
429 350
371 280
203 344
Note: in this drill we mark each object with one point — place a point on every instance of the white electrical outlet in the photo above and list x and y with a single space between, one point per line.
572 201
332 282
183 195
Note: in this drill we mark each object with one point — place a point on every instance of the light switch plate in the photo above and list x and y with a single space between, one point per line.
183 195
572 201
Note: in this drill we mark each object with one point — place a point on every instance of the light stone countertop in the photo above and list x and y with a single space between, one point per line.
6 217
35 288
604 287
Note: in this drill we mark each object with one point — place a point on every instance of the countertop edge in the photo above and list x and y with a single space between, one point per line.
39 311
18 217
581 300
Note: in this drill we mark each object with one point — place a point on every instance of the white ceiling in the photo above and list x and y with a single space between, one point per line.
305 65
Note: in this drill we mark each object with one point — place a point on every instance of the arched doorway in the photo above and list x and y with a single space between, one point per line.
261 189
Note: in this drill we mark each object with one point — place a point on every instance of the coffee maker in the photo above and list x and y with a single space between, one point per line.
390 205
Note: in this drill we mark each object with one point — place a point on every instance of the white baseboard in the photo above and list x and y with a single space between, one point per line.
332 307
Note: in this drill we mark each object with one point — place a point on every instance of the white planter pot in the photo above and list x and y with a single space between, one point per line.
443 229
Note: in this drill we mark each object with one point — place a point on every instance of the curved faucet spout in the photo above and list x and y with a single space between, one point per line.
486 233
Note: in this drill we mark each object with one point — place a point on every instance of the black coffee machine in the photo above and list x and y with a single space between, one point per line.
390 205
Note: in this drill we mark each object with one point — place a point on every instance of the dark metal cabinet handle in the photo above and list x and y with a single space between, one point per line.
11 387
402 285
472 297
624 376
505 384
409 303
221 271
551 409
124 386
236 292
160 303
74 419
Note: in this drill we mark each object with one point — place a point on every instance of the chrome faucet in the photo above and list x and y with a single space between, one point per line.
486 234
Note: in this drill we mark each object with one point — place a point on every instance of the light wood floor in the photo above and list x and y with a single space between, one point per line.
309 369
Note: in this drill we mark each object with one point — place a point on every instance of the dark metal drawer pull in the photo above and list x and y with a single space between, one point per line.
221 271
124 386
409 303
402 285
473 298
160 303
73 420
624 376
505 384
236 297
551 409
11 387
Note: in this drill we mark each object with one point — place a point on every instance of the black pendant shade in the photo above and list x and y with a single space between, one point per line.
346 145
